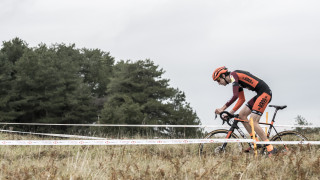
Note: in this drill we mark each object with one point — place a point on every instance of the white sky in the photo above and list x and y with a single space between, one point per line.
277 40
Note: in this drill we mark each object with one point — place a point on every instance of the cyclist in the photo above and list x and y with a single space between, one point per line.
254 107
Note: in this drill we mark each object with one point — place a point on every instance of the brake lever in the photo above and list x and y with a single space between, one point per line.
216 116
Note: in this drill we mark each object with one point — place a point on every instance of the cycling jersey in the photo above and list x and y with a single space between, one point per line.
243 79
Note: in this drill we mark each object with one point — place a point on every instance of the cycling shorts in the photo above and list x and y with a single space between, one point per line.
260 102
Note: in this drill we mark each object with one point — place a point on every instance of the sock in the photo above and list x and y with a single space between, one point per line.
269 146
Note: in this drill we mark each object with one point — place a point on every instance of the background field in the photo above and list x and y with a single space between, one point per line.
149 162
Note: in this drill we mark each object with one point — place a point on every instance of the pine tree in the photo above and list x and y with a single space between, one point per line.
96 70
139 95
48 87
10 53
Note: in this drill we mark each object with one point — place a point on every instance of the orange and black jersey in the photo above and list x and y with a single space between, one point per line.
243 79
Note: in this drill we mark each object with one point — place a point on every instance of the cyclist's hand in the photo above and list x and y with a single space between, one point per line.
219 110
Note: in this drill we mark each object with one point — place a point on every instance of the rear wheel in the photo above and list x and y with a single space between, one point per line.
208 149
289 136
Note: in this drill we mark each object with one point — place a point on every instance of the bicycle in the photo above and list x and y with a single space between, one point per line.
232 121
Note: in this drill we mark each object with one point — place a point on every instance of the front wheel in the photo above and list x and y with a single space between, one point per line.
288 136
207 149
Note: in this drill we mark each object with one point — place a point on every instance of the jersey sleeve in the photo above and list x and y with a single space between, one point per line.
237 92
241 100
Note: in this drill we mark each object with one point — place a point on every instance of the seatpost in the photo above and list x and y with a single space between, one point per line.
271 125
274 115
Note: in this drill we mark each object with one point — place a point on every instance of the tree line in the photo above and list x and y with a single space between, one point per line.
63 84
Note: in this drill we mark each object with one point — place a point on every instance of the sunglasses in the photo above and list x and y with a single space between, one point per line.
218 79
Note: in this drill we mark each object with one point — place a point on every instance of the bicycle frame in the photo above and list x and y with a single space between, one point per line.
231 130
234 126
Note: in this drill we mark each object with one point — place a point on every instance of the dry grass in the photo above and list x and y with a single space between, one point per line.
149 162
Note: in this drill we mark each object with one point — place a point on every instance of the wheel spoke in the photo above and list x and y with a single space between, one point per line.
289 136
208 149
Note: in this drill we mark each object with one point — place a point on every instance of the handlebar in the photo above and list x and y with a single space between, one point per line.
228 117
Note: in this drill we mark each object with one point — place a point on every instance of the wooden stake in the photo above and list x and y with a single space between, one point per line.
267 123
254 137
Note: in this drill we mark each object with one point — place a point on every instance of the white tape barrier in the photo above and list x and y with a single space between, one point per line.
145 125
118 142
54 135
291 142
142 142
113 125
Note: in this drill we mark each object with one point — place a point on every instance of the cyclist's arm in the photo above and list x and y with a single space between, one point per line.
237 106
236 89
241 100
236 94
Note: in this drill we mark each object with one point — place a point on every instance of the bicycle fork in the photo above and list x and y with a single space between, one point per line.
231 130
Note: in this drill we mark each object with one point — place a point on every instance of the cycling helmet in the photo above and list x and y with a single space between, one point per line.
217 73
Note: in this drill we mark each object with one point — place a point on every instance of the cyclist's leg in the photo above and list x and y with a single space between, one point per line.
244 113
257 111
256 118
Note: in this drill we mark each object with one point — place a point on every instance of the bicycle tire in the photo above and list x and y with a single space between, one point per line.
206 149
288 136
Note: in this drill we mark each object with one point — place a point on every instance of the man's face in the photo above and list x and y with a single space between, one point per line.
221 81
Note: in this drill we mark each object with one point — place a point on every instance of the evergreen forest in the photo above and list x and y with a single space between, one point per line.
62 84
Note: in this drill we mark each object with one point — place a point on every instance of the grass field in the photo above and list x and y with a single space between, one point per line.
149 162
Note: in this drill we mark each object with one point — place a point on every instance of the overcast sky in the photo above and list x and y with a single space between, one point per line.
277 40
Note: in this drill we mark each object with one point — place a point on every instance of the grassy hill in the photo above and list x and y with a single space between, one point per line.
149 162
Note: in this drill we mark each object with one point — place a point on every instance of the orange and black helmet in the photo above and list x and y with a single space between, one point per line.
217 73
